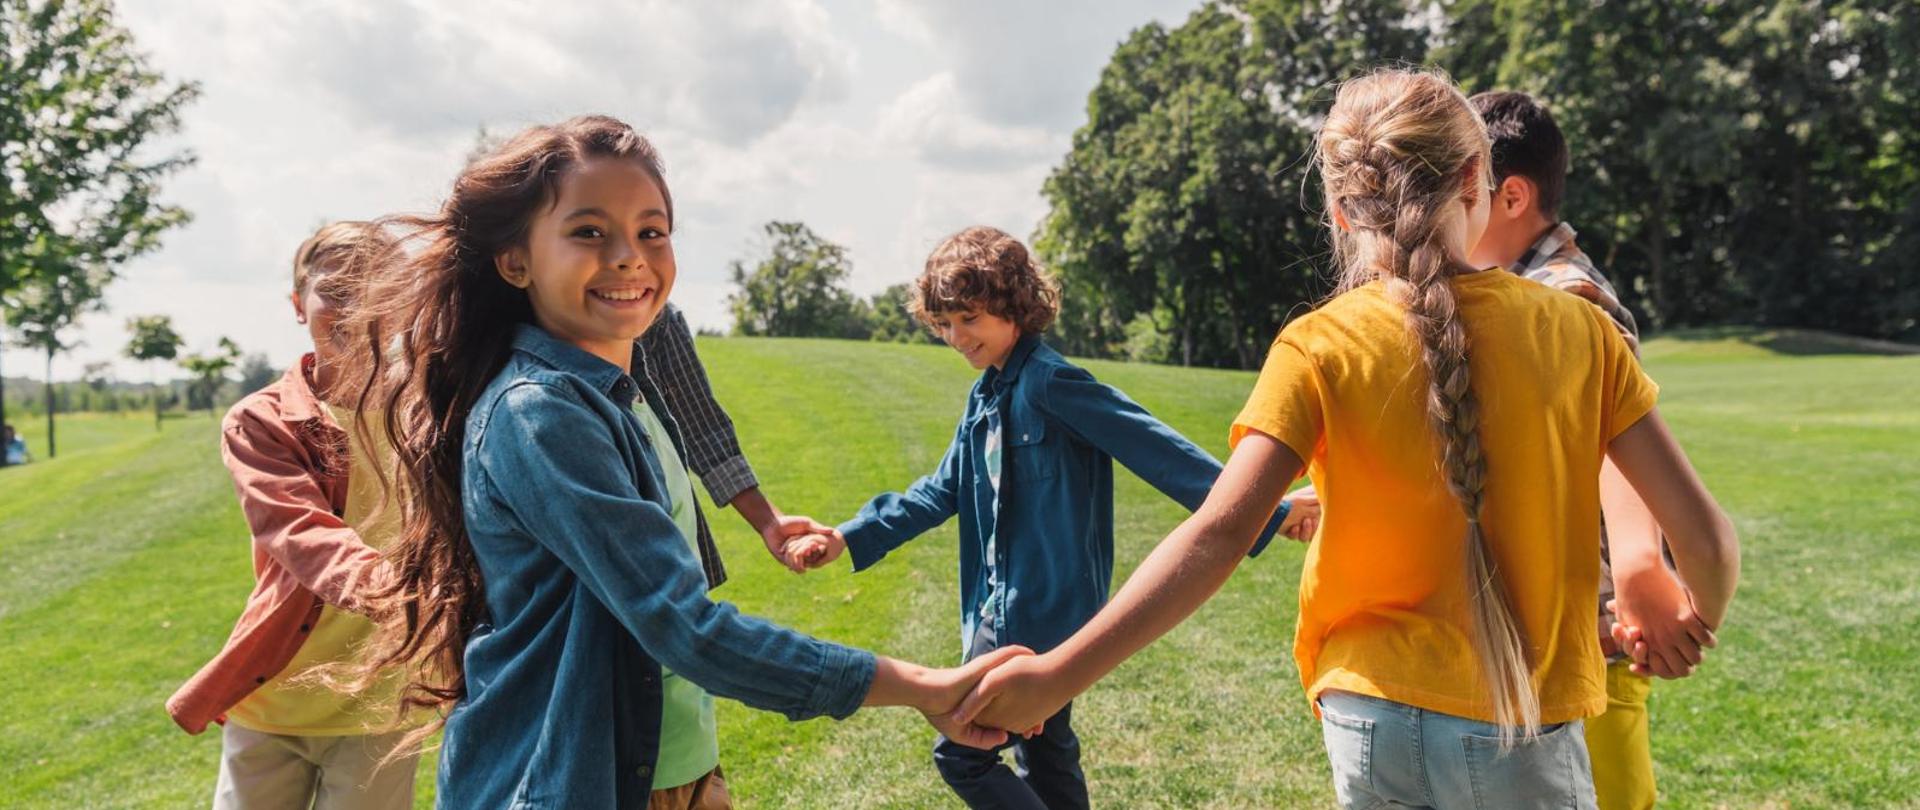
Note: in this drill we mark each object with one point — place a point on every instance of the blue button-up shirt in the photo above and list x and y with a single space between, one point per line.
590 590
1053 529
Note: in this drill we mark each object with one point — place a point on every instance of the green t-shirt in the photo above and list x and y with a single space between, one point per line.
689 743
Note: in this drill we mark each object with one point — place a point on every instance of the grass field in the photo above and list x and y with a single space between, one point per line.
124 561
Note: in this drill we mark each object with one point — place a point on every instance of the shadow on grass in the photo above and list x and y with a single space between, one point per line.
1799 342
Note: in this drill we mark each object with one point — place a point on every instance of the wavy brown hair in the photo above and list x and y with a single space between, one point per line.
986 268
1396 150
437 326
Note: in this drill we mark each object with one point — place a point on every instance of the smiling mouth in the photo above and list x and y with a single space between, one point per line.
624 296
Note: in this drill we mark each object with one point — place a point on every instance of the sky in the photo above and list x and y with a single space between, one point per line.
882 124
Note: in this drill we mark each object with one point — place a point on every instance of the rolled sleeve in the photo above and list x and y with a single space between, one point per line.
727 479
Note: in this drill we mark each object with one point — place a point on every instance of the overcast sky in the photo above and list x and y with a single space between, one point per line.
883 124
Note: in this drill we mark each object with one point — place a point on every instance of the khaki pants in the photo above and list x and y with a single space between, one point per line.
706 793
262 771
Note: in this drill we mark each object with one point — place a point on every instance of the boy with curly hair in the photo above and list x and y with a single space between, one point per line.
1030 475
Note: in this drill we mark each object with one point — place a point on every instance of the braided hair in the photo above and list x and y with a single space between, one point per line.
1393 153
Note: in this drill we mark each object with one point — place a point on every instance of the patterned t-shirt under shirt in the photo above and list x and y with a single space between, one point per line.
689 740
1554 260
986 636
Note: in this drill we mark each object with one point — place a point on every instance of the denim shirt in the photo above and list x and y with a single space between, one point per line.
1053 527
590 590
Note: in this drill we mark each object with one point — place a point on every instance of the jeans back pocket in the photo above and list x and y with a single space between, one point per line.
1548 771
1350 754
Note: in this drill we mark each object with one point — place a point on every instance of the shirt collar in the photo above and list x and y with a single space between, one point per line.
602 375
1546 247
298 403
998 378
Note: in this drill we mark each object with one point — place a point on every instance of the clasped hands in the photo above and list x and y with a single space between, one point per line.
1008 690
1657 625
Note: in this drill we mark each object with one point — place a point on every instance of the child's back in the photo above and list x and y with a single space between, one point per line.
1385 596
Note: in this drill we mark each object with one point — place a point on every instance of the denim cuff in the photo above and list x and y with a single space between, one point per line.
861 544
846 675
1273 527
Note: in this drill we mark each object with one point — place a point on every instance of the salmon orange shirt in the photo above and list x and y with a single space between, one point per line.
1384 594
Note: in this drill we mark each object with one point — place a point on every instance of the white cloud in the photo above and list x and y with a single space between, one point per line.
883 125
729 71
1021 62
932 120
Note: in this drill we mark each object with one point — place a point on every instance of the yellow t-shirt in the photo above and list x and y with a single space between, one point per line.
1384 592
280 707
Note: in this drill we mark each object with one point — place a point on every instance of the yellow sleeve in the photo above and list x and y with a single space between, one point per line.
1627 390
1286 401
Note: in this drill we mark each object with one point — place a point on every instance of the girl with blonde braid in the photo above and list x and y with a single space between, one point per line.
1445 637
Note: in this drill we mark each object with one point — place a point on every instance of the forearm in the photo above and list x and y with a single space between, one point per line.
756 510
1708 559
902 683
1705 548
1633 536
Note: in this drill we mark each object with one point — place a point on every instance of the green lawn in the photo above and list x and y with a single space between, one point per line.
124 561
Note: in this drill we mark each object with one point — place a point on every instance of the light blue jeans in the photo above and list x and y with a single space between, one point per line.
1387 754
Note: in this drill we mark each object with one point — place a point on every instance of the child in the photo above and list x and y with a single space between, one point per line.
14 446
1030 474
1445 634
1524 235
315 553
547 593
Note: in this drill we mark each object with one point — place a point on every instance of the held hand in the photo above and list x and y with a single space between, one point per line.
784 528
1662 612
823 549
952 685
800 551
1017 696
1303 515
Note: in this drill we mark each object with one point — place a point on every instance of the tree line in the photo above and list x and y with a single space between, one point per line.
1751 163
1748 163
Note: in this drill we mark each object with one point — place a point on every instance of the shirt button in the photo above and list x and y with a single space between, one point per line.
260 679
306 628
645 771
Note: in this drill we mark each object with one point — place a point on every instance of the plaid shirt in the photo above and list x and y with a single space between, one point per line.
1557 262
665 359
665 354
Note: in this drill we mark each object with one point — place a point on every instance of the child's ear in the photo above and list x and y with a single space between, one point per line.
299 309
512 266
1516 195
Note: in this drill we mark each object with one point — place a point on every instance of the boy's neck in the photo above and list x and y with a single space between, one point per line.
1504 247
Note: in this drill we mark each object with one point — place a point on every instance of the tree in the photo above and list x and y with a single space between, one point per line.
209 372
76 190
256 373
797 289
1732 162
153 338
45 308
1182 206
888 318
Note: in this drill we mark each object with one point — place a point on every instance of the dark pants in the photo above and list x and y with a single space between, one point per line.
1048 776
